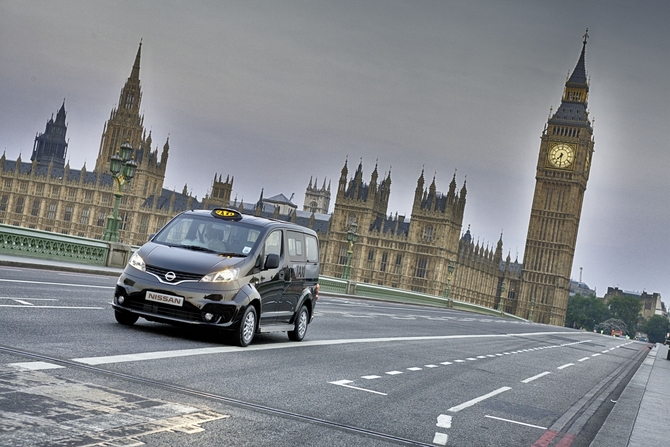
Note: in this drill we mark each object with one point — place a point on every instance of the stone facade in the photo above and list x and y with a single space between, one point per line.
563 166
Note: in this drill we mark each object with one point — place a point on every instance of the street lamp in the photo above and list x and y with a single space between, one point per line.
501 304
447 290
352 235
123 170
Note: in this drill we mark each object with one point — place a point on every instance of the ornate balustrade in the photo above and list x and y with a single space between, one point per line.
20 241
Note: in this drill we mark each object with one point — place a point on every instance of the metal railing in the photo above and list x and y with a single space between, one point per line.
18 241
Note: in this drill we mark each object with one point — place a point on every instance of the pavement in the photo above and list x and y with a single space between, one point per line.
639 418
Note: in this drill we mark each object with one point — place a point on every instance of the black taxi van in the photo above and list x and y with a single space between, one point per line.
239 273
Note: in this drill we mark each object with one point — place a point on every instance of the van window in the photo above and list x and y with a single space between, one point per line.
273 243
296 246
312 246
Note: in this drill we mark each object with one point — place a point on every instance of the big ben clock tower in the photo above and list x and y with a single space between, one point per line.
562 173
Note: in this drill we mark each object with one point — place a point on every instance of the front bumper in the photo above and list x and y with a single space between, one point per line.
206 304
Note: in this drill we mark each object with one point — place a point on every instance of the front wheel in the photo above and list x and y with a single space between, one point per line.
247 328
125 318
301 321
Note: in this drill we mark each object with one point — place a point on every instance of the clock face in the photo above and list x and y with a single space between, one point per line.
561 155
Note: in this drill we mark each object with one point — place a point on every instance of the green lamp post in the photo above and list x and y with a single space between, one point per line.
352 236
123 170
447 290
501 303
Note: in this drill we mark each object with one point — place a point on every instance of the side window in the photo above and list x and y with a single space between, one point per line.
312 248
296 246
273 243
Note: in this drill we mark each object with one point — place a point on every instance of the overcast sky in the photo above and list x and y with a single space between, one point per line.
275 92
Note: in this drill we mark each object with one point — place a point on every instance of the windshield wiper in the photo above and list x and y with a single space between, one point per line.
232 255
197 248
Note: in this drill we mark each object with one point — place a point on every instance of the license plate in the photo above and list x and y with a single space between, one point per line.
165 299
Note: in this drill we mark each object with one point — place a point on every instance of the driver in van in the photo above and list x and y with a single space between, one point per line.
214 238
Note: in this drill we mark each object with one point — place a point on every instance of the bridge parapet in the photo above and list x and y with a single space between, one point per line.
19 241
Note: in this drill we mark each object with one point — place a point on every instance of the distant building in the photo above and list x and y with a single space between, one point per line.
317 200
651 303
581 288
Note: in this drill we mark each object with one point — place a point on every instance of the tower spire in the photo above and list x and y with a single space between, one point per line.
135 73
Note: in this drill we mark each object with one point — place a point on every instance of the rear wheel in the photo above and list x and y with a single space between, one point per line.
125 318
247 327
301 321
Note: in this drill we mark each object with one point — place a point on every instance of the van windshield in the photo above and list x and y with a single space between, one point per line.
205 233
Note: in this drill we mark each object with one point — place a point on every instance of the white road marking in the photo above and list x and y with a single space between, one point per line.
393 373
444 421
446 363
303 344
370 377
567 365
25 303
431 366
414 368
530 379
56 284
471 359
595 355
50 307
516 422
474 401
440 438
481 356
345 383
584 359
36 366
13 298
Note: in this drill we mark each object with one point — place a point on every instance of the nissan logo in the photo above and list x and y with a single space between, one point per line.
170 276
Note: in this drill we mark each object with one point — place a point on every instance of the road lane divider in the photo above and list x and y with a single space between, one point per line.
345 383
535 377
476 400
525 424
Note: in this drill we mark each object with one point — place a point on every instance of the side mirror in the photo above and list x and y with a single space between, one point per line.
151 236
272 261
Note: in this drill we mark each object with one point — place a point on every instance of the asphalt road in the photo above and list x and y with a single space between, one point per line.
368 373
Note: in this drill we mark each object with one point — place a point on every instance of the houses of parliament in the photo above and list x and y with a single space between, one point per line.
429 252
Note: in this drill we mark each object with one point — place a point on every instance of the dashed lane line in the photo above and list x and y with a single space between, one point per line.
345 383
567 365
515 422
535 377
476 400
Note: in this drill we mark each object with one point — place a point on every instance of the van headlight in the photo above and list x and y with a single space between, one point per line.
222 276
137 262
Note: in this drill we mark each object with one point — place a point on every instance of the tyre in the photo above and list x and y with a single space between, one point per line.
301 321
247 328
125 318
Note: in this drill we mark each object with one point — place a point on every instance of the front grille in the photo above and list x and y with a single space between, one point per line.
179 276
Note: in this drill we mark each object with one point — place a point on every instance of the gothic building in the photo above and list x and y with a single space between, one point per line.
46 194
428 252
317 200
416 254
563 166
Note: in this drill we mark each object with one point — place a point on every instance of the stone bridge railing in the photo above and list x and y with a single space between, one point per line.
342 286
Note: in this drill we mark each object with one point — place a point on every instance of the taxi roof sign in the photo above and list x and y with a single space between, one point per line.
227 214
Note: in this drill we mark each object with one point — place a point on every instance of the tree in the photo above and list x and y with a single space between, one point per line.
584 312
656 327
627 309
606 327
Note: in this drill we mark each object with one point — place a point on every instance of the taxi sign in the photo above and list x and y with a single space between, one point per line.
227 214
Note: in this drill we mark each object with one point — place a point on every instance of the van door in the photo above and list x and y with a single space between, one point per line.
287 304
272 282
